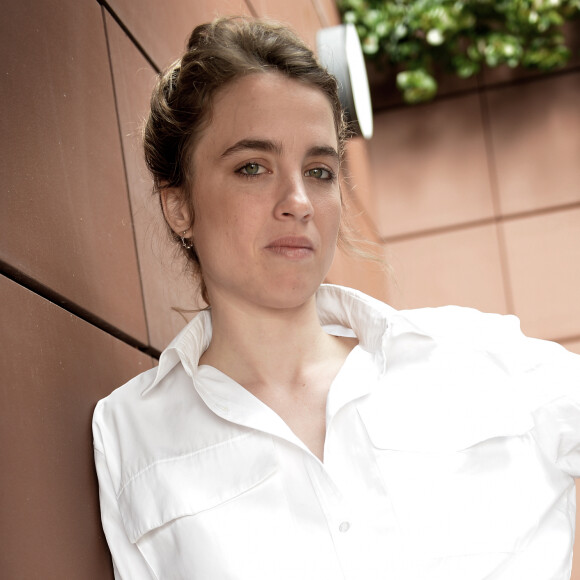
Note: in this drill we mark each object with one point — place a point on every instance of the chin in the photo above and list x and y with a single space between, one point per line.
288 294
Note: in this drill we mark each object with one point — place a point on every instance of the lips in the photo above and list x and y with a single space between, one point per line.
292 246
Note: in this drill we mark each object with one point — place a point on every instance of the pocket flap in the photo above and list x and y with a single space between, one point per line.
188 484
451 425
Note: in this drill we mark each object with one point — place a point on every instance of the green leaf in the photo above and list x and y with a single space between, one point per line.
419 36
417 85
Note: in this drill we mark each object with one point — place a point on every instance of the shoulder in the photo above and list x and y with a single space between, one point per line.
131 389
146 400
465 326
135 413
352 307
456 376
476 351
490 355
124 398
497 334
113 414
137 426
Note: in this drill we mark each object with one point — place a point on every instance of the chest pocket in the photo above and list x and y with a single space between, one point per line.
457 495
193 483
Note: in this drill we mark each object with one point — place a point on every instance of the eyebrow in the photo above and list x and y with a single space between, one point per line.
274 147
322 151
254 144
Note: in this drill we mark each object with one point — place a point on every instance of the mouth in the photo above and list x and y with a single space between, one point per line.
295 247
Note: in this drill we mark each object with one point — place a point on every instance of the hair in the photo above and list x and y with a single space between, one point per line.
217 54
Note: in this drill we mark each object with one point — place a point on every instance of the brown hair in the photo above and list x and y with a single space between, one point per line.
217 54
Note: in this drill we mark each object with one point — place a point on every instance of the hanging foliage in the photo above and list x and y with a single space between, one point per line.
461 37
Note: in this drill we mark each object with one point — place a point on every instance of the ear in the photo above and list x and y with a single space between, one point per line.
176 210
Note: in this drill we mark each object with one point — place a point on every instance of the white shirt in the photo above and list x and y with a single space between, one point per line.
451 446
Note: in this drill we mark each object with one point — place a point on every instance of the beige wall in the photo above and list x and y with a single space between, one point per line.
476 199
88 278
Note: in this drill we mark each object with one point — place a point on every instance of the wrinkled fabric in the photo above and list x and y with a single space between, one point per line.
452 443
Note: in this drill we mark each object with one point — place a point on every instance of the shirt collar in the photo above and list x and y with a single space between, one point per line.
342 311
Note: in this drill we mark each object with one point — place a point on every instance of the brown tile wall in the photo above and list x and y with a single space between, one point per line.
66 220
54 369
161 29
162 268
476 199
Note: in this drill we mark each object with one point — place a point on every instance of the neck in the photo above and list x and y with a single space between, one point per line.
268 346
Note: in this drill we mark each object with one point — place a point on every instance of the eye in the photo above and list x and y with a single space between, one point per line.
251 169
319 173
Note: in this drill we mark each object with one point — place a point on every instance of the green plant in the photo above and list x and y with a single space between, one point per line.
418 36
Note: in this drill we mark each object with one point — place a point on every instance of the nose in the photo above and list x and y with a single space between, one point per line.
294 201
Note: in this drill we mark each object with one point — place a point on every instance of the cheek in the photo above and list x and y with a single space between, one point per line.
330 212
225 227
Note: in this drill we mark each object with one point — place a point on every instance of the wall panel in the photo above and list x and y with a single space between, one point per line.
163 277
328 12
348 268
301 15
429 167
460 267
54 369
535 130
65 219
162 28
544 268
360 180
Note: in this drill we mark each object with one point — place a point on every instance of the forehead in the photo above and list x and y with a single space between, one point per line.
272 106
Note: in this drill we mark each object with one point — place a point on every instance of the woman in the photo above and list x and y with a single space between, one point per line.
298 431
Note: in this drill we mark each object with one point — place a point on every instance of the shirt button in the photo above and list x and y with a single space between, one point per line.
344 527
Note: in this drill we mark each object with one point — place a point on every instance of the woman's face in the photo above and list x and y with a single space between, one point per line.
266 195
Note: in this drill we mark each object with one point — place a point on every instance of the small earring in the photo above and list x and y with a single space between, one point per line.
185 241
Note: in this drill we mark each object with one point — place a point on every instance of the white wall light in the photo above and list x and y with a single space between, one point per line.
339 50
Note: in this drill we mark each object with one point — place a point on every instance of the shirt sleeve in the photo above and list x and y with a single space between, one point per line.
554 379
128 562
545 376
548 379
